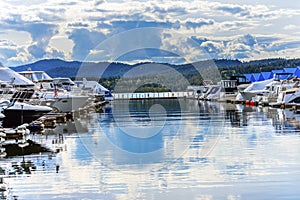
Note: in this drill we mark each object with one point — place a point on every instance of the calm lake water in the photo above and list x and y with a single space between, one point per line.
168 149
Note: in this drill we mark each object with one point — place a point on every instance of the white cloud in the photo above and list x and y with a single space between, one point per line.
72 28
19 59
63 44
18 38
290 27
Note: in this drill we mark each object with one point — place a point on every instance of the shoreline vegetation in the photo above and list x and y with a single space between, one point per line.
117 77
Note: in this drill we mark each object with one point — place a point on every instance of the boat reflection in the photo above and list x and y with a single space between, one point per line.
238 115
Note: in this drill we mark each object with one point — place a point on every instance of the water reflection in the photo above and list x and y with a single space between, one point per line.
282 120
201 150
141 134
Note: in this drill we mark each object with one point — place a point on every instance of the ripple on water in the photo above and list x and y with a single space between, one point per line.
204 151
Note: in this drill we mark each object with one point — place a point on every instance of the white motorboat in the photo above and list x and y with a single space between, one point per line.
213 93
65 102
11 77
94 88
222 91
196 91
267 89
18 113
10 82
290 96
254 89
49 92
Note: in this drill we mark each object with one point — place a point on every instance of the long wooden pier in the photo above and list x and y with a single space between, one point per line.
150 95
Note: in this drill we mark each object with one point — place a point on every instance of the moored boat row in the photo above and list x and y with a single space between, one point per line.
283 89
28 95
32 102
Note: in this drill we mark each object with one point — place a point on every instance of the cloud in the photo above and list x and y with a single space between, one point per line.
41 32
212 47
55 53
5 43
6 53
72 3
247 40
37 51
78 24
25 3
51 15
127 25
279 46
223 29
198 23
41 35
233 9
103 25
99 2
239 47
250 11
171 10
21 58
290 27
84 41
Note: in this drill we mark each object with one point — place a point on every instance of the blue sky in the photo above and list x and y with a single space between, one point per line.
155 30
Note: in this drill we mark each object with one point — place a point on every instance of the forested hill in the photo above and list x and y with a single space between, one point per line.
60 68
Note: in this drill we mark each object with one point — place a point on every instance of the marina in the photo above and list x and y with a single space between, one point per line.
149 100
216 139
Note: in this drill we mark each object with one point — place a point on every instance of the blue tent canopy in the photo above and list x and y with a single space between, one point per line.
290 70
255 77
248 76
277 71
266 75
297 72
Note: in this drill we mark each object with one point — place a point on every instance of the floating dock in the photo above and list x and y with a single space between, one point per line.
150 95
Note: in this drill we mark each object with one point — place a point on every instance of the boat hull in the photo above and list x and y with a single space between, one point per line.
248 95
67 105
16 117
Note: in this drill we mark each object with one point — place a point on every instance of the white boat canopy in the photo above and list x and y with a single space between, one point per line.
36 76
11 77
85 84
64 81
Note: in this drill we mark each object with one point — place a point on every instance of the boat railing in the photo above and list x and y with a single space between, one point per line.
6 93
22 95
229 83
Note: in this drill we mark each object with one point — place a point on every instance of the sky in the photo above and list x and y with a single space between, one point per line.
148 30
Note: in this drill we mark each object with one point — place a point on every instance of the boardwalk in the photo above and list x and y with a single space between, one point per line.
150 95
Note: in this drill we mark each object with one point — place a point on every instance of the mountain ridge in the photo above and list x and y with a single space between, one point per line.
62 68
